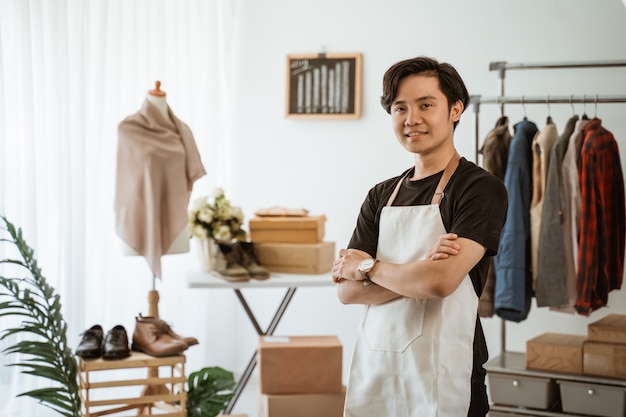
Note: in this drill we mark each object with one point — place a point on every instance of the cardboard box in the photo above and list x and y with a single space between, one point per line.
604 359
610 329
306 229
302 405
300 364
297 258
556 352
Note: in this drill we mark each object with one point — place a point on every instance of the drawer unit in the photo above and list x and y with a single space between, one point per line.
523 391
593 399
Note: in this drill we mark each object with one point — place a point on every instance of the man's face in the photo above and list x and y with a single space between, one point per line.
420 116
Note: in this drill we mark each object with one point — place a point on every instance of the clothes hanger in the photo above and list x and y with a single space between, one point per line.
585 117
549 119
524 108
595 110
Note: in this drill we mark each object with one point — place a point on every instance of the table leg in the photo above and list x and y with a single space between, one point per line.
270 331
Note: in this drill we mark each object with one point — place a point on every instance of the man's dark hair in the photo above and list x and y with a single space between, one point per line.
450 82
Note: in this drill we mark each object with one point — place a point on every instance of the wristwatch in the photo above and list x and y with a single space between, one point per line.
365 267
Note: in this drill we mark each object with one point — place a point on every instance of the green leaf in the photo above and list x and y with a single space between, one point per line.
42 345
209 391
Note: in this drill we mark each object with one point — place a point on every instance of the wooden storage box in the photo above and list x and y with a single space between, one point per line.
297 258
610 329
302 405
162 391
588 399
305 229
604 359
556 352
523 391
300 365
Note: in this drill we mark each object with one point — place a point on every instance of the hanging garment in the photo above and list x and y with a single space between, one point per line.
542 147
551 287
571 190
423 344
603 218
513 282
495 152
157 164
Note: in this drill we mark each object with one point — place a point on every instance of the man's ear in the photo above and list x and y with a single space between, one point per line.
456 111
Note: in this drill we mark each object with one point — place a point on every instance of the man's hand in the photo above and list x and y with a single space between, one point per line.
346 266
444 247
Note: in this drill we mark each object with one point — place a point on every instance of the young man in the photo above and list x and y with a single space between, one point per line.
418 260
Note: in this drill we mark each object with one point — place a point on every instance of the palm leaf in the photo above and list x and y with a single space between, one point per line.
47 354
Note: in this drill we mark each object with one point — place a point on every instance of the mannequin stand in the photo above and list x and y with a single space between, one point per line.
153 373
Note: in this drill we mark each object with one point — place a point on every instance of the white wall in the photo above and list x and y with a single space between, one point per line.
327 166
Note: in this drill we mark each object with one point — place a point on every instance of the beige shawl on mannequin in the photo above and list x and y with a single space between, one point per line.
157 164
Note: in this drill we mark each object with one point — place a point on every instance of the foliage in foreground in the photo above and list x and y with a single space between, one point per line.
209 391
46 354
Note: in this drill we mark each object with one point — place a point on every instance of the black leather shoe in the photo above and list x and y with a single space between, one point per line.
90 346
116 344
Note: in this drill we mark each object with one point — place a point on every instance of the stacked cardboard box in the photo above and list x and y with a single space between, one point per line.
292 244
604 352
300 376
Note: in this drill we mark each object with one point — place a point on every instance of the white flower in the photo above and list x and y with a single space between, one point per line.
205 215
222 233
199 231
217 193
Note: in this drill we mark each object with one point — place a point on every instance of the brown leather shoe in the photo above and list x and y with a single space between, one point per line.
90 345
116 344
152 338
190 341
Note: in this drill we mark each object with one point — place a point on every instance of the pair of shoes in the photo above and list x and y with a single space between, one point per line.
94 343
156 338
239 262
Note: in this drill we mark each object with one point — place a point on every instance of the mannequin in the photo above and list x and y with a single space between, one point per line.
158 161
181 242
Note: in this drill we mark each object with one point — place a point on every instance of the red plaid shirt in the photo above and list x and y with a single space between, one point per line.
602 229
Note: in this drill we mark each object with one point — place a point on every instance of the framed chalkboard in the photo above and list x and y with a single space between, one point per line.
324 86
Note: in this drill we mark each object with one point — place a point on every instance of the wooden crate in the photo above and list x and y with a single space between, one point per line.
159 393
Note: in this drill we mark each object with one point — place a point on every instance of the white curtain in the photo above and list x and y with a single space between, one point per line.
70 71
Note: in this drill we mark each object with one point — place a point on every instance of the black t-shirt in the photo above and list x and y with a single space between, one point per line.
474 207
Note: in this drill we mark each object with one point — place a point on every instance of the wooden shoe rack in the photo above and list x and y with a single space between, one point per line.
162 395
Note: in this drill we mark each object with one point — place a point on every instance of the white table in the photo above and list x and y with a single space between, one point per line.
198 279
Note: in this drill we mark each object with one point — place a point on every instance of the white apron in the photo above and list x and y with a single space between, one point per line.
414 357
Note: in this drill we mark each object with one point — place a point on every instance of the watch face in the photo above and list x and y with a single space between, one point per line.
366 265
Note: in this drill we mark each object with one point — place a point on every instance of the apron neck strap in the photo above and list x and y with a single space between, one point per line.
453 163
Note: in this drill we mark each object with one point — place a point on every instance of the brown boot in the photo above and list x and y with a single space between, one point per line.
190 341
152 338
250 261
229 263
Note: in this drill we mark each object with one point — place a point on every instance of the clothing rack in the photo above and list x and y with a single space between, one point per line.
502 99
